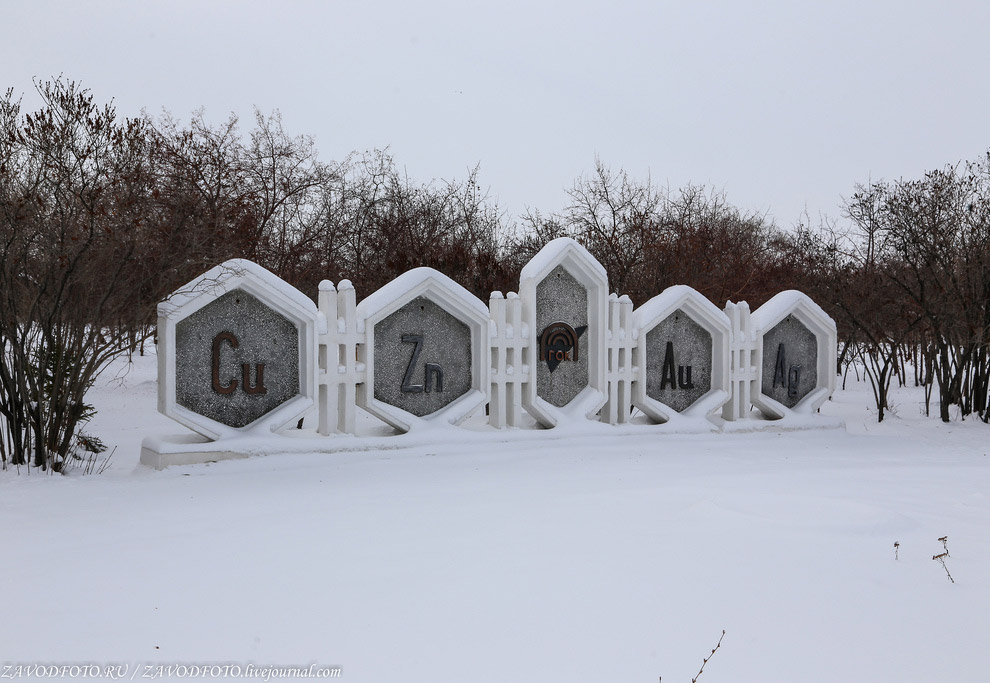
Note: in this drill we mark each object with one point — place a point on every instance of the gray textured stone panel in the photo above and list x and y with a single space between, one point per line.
434 337
561 298
262 336
690 363
790 362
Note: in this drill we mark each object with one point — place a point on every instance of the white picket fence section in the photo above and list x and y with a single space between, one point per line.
340 368
742 362
511 360
621 369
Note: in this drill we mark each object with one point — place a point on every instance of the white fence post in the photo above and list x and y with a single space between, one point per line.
522 362
742 362
497 407
341 370
510 362
327 304
620 367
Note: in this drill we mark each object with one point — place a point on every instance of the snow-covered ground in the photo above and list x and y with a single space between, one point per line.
599 558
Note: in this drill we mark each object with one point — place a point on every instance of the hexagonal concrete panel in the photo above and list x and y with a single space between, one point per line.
678 361
561 313
564 296
422 358
236 359
790 361
427 351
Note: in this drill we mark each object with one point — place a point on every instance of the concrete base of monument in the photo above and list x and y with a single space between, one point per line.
163 451
185 449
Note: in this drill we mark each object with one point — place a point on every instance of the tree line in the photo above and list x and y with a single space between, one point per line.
101 217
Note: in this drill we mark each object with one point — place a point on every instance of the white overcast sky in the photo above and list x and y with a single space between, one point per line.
782 104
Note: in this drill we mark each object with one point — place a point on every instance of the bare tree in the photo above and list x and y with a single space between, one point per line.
649 238
73 185
929 240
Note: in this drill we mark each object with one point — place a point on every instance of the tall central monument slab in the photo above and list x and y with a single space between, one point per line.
562 342
564 291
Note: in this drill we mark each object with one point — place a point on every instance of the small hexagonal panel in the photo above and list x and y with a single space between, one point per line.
790 361
426 352
683 347
563 350
422 358
236 360
678 361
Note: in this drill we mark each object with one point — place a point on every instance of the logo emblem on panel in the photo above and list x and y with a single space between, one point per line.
559 343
